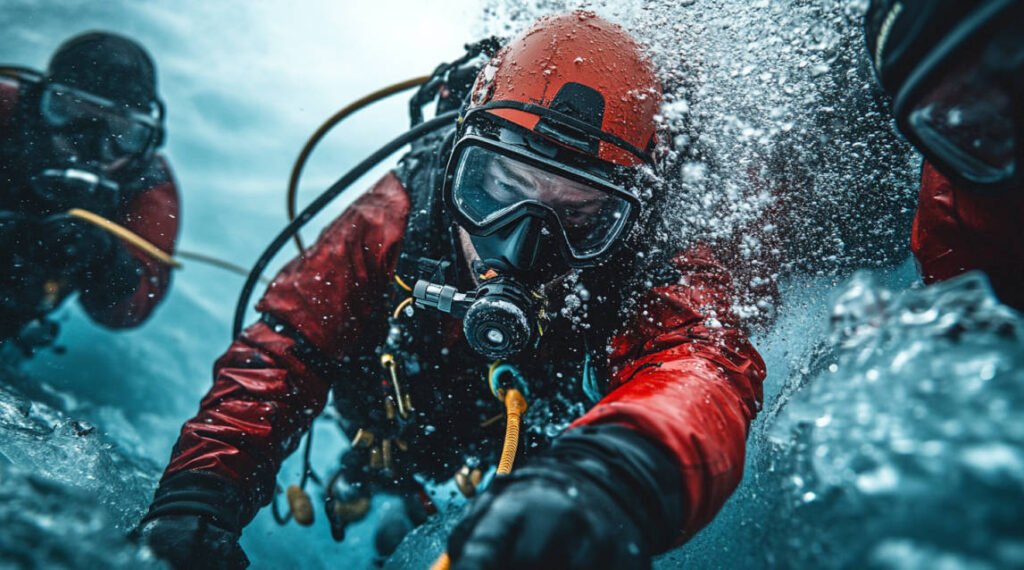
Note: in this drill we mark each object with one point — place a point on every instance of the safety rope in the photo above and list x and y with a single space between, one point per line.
127 235
147 247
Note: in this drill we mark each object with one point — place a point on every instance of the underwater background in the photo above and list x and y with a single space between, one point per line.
890 436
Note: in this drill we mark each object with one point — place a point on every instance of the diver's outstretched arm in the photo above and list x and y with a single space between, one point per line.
653 461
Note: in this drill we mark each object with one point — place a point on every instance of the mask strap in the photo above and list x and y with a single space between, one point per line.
558 117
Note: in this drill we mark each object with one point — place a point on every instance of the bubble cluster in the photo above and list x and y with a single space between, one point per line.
776 146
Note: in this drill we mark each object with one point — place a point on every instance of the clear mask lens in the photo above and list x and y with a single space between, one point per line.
128 132
488 186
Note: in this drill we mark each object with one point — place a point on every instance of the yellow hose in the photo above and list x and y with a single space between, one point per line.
216 262
127 235
515 407
401 306
442 563
153 251
402 284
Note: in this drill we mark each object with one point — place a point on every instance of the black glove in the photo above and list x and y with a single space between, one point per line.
601 497
193 542
76 246
22 275
195 521
92 260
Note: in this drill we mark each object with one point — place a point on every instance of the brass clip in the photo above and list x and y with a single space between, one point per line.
352 509
363 438
376 462
385 448
300 505
467 480
389 364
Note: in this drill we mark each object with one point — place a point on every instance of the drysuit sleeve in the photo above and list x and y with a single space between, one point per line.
272 382
135 283
956 230
685 377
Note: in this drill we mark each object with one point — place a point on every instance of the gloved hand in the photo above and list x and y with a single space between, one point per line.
601 497
195 522
22 283
77 249
92 260
194 542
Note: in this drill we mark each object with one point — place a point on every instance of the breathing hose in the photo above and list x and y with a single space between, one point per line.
515 407
437 123
330 123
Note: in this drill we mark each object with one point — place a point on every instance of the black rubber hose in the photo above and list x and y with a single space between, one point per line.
333 121
437 123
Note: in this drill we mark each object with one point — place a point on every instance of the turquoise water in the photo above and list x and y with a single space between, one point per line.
886 440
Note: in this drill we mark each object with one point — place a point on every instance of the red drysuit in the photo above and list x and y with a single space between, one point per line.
957 230
681 371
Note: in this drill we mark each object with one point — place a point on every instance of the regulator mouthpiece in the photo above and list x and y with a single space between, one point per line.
496 327
500 319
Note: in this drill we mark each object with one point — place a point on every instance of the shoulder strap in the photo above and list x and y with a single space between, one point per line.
421 171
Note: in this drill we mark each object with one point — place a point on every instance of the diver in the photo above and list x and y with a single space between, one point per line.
505 260
955 71
80 141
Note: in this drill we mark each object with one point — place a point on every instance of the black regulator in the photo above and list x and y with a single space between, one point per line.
500 318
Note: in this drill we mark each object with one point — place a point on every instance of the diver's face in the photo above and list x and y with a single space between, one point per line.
87 149
512 181
527 248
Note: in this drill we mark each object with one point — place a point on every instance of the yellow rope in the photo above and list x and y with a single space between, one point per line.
127 235
153 251
217 262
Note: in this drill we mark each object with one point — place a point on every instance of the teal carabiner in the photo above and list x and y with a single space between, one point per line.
499 368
